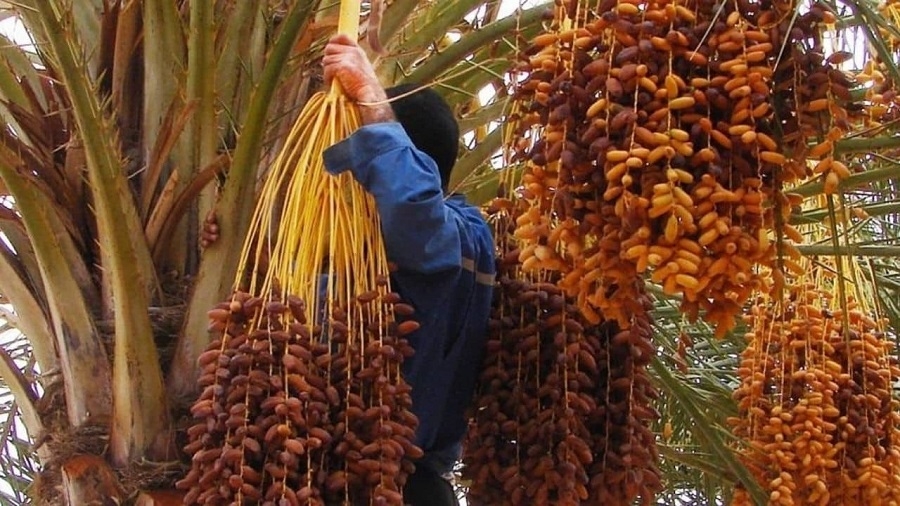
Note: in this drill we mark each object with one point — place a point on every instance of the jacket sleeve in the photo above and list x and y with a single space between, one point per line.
420 232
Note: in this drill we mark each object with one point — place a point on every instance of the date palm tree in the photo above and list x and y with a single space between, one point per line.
127 122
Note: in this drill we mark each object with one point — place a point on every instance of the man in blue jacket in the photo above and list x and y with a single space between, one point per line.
403 155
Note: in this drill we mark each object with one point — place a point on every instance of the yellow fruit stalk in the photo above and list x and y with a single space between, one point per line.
307 359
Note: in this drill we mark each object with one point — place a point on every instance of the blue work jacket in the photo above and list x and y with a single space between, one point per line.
445 257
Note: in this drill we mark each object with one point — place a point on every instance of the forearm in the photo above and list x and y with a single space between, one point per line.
376 109
381 113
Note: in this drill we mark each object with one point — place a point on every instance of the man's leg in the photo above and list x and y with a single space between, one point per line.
427 488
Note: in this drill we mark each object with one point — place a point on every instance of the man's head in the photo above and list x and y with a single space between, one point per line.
430 124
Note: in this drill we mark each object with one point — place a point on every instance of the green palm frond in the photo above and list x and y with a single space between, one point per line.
18 462
695 374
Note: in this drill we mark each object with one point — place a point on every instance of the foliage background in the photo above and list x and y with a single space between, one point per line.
464 46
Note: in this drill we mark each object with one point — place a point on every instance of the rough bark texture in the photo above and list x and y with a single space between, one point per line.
89 481
159 498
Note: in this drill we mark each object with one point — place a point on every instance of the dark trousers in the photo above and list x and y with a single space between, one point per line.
427 488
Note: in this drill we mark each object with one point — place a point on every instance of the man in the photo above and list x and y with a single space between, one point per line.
403 155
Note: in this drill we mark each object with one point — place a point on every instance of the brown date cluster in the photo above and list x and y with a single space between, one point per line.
812 100
815 400
882 103
651 145
816 403
658 139
294 412
562 410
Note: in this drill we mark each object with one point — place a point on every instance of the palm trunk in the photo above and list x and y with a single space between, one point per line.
159 498
88 479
